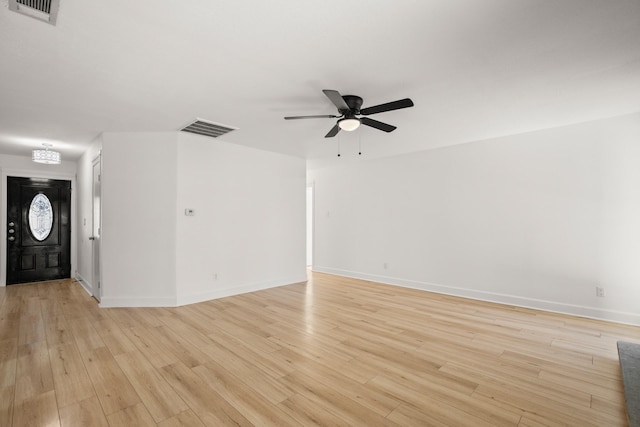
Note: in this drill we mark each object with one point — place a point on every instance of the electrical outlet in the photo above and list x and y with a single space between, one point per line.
599 291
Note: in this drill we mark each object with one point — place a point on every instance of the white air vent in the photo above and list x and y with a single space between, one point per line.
43 10
206 128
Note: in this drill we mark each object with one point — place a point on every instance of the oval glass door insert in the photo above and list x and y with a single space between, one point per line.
40 217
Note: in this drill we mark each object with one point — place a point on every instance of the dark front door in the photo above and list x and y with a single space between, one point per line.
38 229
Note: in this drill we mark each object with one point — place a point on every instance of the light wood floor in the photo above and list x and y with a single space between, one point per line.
333 351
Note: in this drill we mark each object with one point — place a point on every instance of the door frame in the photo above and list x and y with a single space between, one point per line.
96 258
26 173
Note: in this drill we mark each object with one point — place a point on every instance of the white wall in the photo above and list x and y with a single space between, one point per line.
536 220
25 167
139 176
248 231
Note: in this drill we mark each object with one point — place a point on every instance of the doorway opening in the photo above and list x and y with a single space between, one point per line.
38 229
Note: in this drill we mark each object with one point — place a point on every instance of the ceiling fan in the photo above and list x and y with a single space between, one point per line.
349 110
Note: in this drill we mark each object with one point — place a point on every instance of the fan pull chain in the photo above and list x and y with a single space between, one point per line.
339 140
360 143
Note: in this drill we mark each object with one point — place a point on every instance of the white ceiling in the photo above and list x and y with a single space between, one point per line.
475 69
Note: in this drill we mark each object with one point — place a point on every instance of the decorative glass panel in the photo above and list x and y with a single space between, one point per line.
40 217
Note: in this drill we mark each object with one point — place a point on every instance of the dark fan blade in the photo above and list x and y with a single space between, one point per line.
395 105
376 124
311 117
336 98
333 132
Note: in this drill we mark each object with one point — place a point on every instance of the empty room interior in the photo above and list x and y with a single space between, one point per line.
408 213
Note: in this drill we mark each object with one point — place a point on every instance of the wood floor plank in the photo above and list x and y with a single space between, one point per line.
9 324
378 402
31 329
7 395
114 338
358 371
309 413
372 351
130 318
250 335
505 375
262 379
610 390
208 405
158 396
525 421
136 415
180 346
188 332
615 408
85 335
70 378
247 355
86 413
33 374
39 410
111 385
243 396
183 419
332 399
156 352
57 331
196 317
8 361
542 407
465 409
314 350
607 367
436 415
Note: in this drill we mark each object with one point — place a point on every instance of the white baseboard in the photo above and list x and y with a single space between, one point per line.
185 299
514 300
85 285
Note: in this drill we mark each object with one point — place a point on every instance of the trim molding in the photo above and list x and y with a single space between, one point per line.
84 283
536 304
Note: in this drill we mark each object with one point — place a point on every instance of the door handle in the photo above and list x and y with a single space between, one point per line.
92 238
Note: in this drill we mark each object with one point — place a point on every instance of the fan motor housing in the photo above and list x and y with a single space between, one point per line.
354 103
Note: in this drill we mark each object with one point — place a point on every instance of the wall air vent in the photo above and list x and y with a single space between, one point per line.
207 128
43 10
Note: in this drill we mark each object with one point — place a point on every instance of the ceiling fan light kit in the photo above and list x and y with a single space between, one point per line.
349 108
349 124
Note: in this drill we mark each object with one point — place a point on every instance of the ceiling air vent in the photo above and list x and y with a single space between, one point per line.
206 128
43 10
